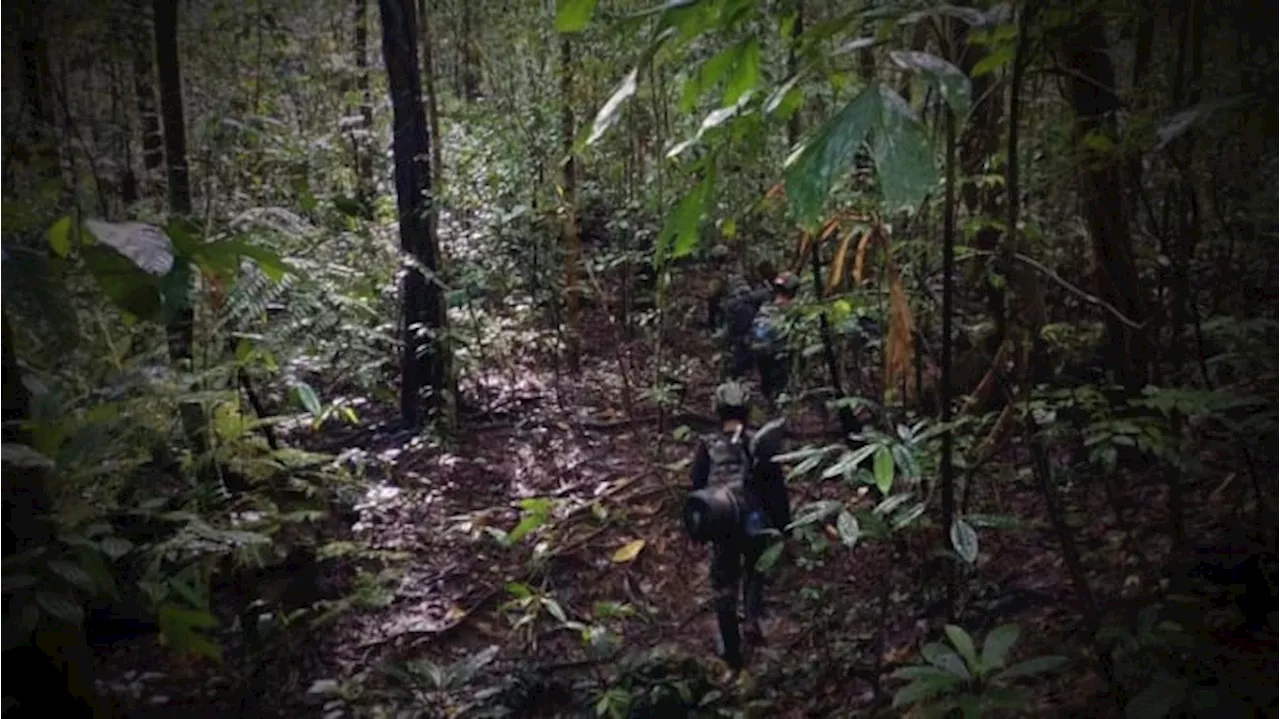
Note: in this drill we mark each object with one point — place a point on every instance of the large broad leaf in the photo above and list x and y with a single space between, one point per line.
609 111
963 643
955 88
903 157
147 246
132 290
942 657
707 76
883 464
995 648
746 72
573 15
679 235
812 172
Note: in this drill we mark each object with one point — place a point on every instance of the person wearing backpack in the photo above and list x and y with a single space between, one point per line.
738 495
732 304
768 344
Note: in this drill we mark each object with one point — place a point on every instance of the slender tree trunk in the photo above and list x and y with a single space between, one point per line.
469 60
424 362
1090 90
145 94
433 108
571 238
948 291
41 145
793 122
979 142
364 145
181 330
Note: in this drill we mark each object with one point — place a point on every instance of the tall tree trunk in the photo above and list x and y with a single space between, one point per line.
469 60
570 236
793 122
979 142
364 145
41 145
145 92
423 363
1090 90
182 327
433 109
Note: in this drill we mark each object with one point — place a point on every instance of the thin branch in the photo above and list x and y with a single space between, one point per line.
1091 299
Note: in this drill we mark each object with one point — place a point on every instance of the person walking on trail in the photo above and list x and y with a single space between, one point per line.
731 306
738 495
768 341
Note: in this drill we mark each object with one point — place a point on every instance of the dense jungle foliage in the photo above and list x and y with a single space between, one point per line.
355 354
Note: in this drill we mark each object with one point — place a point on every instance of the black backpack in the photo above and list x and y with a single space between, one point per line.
716 512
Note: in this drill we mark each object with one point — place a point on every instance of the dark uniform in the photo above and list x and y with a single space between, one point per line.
731 308
768 342
726 458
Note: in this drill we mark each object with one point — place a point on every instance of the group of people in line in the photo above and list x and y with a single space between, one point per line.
738 500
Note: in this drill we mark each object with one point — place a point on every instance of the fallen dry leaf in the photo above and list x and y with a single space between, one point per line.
628 551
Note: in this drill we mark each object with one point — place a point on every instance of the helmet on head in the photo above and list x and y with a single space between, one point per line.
786 282
731 396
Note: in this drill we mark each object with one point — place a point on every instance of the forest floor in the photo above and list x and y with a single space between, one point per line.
834 625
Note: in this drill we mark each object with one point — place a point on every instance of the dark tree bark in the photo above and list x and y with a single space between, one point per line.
1090 90
41 146
364 145
469 62
793 122
145 94
171 111
433 107
423 362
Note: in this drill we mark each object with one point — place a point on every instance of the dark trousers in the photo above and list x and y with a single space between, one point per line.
733 564
738 359
775 372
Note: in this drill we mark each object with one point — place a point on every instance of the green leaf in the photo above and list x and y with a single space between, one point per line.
847 524
903 156
906 518
60 237
769 557
963 643
996 60
942 657
679 236
573 15
554 609
710 73
921 690
849 461
60 606
1032 666
179 627
884 469
746 72
147 246
811 173
1174 127
74 575
13 582
952 84
995 648
308 397
921 671
131 289
21 455
608 113
965 540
